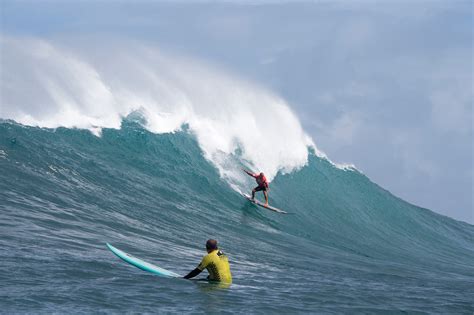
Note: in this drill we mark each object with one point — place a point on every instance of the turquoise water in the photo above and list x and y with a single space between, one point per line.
347 246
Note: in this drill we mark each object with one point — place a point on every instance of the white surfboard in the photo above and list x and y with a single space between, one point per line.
143 265
258 203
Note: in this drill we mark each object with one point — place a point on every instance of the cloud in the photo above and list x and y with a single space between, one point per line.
344 130
408 145
452 110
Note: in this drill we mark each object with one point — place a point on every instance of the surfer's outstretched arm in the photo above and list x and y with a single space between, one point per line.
250 173
192 274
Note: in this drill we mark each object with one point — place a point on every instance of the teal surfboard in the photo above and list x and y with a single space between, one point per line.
143 265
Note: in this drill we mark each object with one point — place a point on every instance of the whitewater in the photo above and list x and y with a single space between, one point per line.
144 148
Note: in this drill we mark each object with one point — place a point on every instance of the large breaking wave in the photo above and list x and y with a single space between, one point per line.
49 85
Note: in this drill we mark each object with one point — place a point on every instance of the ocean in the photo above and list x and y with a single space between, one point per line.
346 246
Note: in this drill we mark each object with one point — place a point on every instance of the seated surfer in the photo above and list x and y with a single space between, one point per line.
262 185
216 264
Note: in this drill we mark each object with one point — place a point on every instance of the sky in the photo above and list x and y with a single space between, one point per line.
384 85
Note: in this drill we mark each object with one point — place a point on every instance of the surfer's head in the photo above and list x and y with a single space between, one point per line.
261 174
211 245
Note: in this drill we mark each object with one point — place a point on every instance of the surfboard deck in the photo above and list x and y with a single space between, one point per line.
258 203
141 264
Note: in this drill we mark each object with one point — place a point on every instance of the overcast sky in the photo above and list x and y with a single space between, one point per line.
387 86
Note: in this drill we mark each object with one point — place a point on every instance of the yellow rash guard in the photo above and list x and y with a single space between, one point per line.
217 265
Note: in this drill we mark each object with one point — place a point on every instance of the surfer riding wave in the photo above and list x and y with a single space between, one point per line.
262 185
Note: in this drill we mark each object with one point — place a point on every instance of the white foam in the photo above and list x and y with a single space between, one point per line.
48 85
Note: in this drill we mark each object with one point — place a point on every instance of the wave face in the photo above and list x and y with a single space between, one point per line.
346 246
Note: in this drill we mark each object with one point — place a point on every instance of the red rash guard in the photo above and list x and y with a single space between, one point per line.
261 180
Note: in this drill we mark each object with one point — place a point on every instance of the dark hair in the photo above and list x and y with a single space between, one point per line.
211 244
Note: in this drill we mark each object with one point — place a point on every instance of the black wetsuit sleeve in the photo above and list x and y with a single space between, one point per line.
192 274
